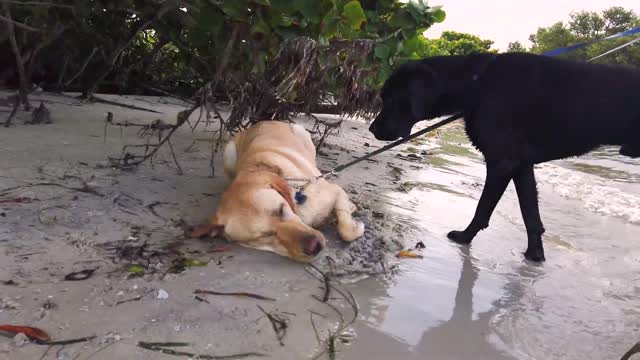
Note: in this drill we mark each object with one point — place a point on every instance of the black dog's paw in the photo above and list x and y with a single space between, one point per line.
459 237
536 255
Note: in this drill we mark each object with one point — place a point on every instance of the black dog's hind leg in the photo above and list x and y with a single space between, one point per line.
631 147
525 182
498 177
630 150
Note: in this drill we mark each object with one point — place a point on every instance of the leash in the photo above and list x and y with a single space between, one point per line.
337 169
396 143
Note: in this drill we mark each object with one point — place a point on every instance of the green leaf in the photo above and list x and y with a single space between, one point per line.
194 263
382 51
136 269
414 9
439 15
384 73
402 19
260 29
236 9
262 2
310 9
329 26
354 15
281 20
209 19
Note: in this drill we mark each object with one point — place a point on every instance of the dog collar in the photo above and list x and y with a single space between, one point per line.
299 197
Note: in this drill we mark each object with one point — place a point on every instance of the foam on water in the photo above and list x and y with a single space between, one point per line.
596 193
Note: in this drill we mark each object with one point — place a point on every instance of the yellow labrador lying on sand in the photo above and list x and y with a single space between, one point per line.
259 207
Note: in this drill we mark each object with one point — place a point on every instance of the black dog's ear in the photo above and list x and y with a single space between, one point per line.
424 90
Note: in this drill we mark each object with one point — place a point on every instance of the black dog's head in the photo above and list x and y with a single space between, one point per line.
408 96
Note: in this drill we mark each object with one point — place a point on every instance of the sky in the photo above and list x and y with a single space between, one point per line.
504 21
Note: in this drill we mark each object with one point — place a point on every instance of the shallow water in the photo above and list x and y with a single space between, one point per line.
485 301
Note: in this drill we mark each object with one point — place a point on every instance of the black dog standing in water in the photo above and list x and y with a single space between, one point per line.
519 110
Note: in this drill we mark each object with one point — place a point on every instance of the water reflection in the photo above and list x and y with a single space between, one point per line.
439 324
462 336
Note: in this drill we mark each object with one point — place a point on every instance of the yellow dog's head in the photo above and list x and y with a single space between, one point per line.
258 211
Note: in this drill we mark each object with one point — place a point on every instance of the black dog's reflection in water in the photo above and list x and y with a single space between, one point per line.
462 337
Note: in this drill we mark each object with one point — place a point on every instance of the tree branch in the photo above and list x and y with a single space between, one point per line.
44 43
17 24
227 54
115 54
82 68
22 94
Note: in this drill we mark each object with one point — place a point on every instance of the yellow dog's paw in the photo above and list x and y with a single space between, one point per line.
351 231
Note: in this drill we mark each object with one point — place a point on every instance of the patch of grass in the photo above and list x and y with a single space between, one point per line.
440 162
457 150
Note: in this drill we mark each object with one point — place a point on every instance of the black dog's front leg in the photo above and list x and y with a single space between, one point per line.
525 182
498 177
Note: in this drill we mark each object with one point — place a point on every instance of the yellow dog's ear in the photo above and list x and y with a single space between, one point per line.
212 228
282 187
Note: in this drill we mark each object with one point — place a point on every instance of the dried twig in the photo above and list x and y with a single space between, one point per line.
343 325
201 299
84 189
238 294
66 342
278 323
175 160
164 349
315 330
159 128
327 283
127 106
137 298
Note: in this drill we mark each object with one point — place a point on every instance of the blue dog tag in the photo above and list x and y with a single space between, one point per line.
300 197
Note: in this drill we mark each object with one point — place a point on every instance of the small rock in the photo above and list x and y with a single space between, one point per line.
163 294
377 215
20 340
49 305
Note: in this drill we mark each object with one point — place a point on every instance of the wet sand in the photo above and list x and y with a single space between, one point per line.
486 302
